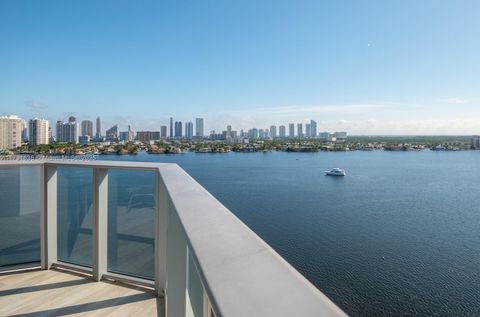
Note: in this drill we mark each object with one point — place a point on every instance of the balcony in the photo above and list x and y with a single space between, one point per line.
138 239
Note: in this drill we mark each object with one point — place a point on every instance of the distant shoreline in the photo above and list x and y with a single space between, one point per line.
37 156
179 146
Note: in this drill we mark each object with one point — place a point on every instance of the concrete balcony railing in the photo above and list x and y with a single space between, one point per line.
172 235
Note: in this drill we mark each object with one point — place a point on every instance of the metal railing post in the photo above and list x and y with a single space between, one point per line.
48 216
100 219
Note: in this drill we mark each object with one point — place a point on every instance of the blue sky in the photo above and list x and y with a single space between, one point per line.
367 67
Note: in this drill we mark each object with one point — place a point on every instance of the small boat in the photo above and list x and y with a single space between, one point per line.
336 172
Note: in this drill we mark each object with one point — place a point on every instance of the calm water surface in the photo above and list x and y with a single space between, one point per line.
400 235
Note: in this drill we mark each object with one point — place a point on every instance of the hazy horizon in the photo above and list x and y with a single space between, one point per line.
368 68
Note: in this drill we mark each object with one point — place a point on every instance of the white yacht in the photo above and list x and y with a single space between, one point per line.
336 172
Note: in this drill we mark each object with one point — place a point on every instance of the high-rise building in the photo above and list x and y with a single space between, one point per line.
147 136
86 128
307 130
112 134
476 142
128 135
189 130
228 133
38 131
171 127
10 132
291 130
281 131
313 129
163 131
178 129
253 133
72 119
300 130
67 132
199 127
24 132
98 130
273 132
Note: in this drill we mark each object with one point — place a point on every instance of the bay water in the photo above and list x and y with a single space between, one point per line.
399 235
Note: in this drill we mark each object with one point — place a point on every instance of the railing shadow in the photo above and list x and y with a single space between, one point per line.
14 269
88 307
44 287
146 294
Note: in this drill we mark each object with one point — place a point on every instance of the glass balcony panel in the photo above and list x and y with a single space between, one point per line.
194 290
19 215
74 215
131 222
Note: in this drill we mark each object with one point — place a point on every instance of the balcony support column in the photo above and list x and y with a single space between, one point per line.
48 216
100 222
161 220
175 295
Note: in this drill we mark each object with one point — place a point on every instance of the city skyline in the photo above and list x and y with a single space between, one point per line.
351 66
423 125
306 129
36 131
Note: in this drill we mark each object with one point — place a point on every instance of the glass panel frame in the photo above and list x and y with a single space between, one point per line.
75 215
131 222
19 215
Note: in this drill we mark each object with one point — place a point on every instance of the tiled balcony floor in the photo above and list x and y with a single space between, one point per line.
58 293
